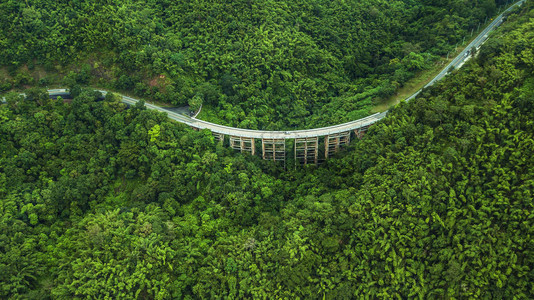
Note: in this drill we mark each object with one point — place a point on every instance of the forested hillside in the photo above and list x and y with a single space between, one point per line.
258 64
103 201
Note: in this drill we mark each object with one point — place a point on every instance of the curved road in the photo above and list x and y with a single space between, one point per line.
345 127
464 55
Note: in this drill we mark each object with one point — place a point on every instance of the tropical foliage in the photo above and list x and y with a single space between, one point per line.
98 200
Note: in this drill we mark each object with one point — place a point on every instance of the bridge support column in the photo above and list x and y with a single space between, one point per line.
243 144
333 142
360 132
274 149
218 137
307 150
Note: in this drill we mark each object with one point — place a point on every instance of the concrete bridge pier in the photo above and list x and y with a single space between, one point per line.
333 142
243 144
218 137
307 150
360 132
274 149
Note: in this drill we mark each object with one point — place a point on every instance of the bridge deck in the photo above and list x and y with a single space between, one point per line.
263 134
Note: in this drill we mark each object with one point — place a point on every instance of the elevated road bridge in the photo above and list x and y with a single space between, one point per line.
305 142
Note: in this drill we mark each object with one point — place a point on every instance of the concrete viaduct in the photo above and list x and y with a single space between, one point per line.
306 142
273 143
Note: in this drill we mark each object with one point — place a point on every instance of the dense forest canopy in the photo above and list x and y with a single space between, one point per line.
258 64
98 200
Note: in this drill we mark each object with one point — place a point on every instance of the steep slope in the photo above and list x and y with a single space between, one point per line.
97 200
